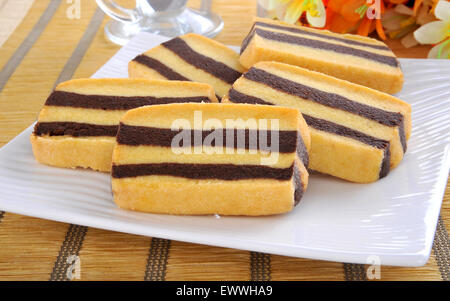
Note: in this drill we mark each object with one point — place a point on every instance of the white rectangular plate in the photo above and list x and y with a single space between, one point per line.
394 218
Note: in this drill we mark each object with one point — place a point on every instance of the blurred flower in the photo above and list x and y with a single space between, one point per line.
291 11
437 32
360 16
315 12
394 19
399 23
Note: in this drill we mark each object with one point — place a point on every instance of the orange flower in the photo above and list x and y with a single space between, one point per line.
352 15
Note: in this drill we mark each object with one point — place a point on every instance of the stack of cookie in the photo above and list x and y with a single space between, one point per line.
200 129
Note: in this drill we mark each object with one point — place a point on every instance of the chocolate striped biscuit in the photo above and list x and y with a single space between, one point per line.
190 57
79 122
361 60
357 133
231 159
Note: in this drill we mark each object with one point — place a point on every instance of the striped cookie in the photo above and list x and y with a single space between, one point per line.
79 122
231 159
190 57
357 133
361 60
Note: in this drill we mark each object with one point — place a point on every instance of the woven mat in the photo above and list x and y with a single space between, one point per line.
11 14
48 47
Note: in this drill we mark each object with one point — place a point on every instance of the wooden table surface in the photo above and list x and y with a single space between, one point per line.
48 47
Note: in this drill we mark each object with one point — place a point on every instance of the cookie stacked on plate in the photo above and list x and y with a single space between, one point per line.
200 129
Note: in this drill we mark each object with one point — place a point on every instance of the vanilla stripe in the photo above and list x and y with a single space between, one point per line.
322 35
159 67
127 154
317 44
238 97
80 115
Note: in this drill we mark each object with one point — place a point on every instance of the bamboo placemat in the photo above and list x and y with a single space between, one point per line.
11 13
48 47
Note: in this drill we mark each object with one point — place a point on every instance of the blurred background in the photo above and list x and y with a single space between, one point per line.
399 18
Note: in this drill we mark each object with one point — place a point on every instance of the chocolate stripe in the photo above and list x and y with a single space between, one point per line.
207 64
159 67
401 133
247 39
141 135
299 189
238 97
110 102
385 164
324 98
286 38
227 172
334 128
302 153
74 129
324 36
